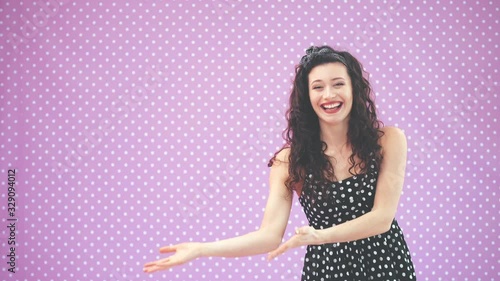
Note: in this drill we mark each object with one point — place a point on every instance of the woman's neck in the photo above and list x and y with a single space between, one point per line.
335 137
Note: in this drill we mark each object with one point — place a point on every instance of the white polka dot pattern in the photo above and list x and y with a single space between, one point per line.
380 257
137 124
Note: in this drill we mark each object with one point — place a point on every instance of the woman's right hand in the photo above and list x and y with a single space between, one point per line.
183 253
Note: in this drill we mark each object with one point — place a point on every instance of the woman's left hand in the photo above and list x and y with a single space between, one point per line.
305 235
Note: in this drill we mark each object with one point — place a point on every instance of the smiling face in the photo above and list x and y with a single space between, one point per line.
330 92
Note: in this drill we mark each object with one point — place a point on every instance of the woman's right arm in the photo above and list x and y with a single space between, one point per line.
270 234
267 238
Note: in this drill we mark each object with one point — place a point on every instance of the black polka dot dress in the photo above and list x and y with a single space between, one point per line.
380 257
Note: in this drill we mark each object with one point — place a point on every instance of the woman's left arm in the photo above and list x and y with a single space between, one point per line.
388 191
379 219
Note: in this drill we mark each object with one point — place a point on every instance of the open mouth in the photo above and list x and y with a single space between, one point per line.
332 107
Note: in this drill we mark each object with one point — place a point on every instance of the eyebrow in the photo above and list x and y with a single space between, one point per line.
333 79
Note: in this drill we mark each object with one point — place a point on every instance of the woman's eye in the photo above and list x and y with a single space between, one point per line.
339 84
317 87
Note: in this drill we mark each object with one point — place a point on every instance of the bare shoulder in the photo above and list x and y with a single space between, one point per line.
393 138
282 156
279 172
392 134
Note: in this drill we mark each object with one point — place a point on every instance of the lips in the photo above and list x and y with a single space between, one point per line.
332 107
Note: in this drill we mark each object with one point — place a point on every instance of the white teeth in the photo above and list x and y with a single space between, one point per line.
332 105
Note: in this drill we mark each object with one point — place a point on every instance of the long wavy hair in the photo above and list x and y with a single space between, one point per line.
302 135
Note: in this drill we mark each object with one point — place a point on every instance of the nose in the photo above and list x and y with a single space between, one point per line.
330 92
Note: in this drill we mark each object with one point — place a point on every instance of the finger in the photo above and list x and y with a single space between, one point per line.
280 250
168 262
163 266
152 263
302 230
156 266
153 269
156 262
167 249
272 255
148 269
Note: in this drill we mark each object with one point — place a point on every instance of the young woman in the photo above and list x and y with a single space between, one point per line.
348 173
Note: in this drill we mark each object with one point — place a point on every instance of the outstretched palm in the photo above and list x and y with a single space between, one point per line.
183 253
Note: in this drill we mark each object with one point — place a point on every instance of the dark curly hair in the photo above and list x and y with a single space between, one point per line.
302 135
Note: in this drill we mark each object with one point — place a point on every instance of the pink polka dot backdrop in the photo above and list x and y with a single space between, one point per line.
133 125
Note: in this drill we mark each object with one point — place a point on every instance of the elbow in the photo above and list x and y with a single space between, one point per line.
382 220
270 239
275 242
385 224
386 228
